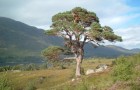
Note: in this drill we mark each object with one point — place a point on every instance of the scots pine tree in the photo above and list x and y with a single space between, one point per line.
78 27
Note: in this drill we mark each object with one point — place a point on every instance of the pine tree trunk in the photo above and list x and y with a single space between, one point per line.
78 65
79 53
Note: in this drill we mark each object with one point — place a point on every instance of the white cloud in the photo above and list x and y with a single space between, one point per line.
130 36
114 13
118 21
39 12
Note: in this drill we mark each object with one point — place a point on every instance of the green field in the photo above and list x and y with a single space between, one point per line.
122 74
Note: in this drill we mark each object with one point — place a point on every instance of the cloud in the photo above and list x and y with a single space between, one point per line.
39 12
120 20
10 8
130 37
122 17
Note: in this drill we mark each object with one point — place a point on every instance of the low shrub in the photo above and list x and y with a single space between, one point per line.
31 67
5 84
123 69
5 68
43 66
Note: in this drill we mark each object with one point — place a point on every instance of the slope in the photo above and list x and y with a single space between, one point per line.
20 42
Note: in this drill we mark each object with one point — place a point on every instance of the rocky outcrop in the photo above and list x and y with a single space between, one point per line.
99 68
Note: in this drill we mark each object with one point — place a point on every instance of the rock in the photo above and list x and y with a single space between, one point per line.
76 79
90 71
41 79
101 68
73 80
15 71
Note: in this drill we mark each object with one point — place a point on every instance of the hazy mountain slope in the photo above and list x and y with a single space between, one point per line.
106 51
135 50
15 35
21 42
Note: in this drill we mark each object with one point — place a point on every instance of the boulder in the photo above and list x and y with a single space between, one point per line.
101 68
90 71
73 80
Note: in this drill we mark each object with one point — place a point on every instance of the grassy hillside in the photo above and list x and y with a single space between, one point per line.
122 74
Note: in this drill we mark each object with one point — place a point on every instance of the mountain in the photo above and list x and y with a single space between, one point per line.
14 34
20 42
108 51
135 50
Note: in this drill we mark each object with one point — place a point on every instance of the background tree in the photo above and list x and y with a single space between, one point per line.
77 27
52 53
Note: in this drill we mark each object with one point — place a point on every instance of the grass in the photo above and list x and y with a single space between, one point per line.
61 79
41 78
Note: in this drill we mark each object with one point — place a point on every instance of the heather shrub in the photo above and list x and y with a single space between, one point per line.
123 69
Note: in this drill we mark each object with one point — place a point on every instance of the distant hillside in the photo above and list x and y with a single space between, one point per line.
17 35
109 51
135 50
23 43
19 41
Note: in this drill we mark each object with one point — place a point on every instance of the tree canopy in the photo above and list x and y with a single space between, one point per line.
52 53
81 25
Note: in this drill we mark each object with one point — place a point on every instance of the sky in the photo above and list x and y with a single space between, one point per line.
123 16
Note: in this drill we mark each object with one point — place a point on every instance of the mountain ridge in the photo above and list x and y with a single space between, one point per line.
19 42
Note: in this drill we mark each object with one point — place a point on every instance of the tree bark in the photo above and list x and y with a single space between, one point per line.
79 59
78 66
